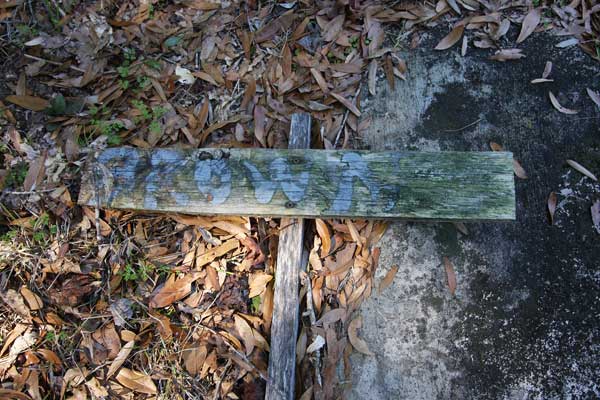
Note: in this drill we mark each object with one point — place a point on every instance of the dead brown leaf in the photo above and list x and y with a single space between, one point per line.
333 28
108 337
359 344
450 275
14 300
547 70
595 96
507 54
320 80
9 394
580 168
275 26
496 147
541 80
194 357
32 103
373 77
36 173
595 211
454 6
210 255
388 278
173 290
347 103
245 333
136 381
530 22
50 356
451 39
249 93
325 235
552 200
557 105
519 170
33 300
258 282
120 358
259 125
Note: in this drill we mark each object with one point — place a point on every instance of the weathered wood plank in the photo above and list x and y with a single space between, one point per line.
284 326
307 183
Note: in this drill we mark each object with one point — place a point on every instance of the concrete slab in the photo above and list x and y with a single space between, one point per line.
524 323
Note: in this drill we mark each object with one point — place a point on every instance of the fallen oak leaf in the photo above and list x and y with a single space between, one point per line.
582 169
317 344
8 394
541 80
560 108
245 332
372 74
273 27
136 381
519 170
595 96
32 103
388 279
496 147
454 6
333 28
173 290
547 70
595 210
259 125
552 201
120 358
461 227
185 75
507 54
347 103
320 80
530 22
50 356
248 93
35 173
451 39
325 235
194 357
33 300
258 283
359 344
450 275
204 5
567 43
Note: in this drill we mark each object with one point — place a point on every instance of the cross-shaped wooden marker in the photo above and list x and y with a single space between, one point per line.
302 183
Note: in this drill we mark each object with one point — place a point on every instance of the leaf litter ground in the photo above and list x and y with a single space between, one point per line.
115 304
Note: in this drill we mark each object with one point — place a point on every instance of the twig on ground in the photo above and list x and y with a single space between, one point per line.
310 309
464 127
337 137
74 68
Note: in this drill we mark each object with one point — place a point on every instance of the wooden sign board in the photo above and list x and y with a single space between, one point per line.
305 183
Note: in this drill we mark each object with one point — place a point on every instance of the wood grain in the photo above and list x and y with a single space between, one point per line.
307 183
284 326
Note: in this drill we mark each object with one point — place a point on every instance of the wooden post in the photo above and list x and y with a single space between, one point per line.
284 328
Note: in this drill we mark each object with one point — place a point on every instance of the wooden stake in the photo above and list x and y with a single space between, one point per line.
284 328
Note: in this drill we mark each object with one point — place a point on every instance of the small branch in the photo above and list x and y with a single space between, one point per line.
337 137
313 320
74 68
464 127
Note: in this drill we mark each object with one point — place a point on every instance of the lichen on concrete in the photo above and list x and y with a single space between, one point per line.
523 323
